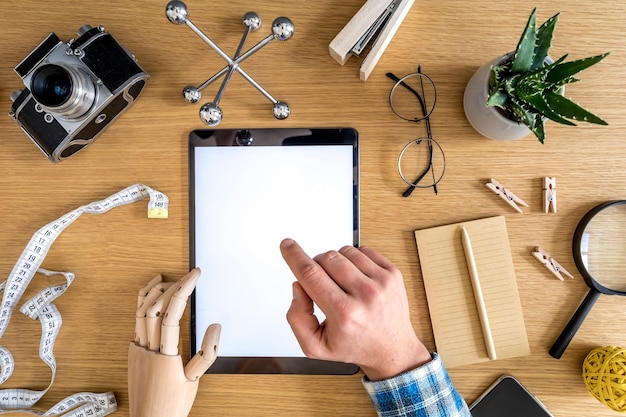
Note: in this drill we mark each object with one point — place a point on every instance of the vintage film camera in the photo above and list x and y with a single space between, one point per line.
74 90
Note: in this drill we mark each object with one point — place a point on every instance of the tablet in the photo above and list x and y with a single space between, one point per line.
508 397
249 189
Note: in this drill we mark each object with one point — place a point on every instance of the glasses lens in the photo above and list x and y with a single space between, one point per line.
413 97
422 163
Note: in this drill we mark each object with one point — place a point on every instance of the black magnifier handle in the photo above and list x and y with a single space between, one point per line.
577 319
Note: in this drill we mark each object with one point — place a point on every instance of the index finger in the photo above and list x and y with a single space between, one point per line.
322 289
175 298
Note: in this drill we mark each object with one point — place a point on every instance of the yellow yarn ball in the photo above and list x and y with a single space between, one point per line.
604 373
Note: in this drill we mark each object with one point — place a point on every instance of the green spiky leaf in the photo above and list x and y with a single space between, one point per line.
498 99
569 80
538 102
522 115
497 73
571 110
523 58
543 42
568 69
531 83
538 128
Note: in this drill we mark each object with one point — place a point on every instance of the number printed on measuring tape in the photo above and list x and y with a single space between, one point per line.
41 307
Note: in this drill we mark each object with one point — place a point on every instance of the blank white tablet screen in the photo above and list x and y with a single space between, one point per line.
247 199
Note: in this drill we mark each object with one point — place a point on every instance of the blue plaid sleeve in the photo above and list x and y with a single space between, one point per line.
423 392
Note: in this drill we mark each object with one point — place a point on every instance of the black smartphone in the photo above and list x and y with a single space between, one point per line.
508 397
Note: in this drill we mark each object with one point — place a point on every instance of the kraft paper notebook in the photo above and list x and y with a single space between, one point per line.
453 310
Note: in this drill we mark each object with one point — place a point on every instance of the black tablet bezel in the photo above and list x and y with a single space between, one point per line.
267 365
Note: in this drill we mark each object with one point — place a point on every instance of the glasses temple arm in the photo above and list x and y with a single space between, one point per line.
408 87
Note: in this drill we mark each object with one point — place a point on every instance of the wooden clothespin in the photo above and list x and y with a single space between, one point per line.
384 16
549 194
510 198
550 263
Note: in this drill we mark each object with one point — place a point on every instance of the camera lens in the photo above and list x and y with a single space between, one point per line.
51 85
64 90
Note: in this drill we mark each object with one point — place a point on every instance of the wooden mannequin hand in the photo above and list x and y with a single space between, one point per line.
158 383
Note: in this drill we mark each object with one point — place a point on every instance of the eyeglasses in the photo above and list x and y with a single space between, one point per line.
413 98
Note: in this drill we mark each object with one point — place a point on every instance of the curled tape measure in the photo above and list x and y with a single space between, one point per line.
40 307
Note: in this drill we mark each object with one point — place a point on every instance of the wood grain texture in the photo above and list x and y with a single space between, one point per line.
115 254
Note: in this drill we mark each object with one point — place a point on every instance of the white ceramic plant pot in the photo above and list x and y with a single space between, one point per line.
486 120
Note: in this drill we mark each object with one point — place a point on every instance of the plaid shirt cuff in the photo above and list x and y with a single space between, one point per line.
423 392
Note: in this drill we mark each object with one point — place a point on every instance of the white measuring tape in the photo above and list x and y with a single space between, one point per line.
40 307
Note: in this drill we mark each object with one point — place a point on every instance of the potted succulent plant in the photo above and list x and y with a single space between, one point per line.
513 95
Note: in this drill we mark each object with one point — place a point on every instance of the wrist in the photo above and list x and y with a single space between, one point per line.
398 363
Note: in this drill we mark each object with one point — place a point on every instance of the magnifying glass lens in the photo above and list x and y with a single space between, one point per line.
603 247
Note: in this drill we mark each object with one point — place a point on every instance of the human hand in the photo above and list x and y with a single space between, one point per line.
158 383
364 299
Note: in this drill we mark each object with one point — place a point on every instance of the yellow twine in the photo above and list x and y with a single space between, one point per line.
604 373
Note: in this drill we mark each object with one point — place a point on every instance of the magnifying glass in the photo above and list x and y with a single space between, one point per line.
599 249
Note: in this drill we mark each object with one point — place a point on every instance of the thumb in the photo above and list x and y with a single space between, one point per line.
304 324
203 360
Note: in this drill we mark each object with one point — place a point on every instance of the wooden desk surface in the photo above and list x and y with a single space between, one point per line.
113 255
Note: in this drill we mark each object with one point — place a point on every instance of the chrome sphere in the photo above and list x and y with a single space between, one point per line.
282 28
211 114
252 20
281 110
177 12
192 94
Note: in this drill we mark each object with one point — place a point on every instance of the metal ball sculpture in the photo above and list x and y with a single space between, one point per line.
210 113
